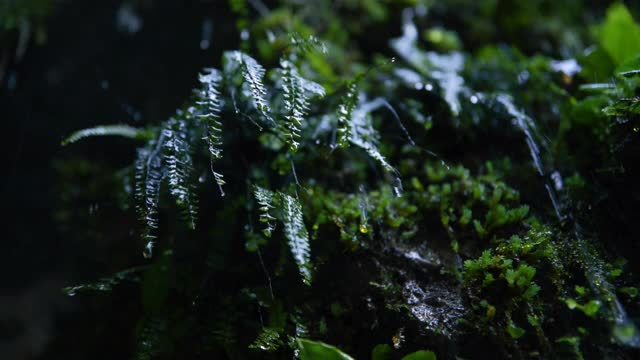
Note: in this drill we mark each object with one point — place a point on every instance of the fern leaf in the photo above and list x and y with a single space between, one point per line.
210 102
297 235
107 130
345 113
296 103
180 168
306 44
312 87
268 340
208 97
366 137
253 73
443 68
105 284
148 178
264 198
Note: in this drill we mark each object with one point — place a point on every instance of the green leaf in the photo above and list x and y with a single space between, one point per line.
619 34
630 67
591 308
381 352
315 350
515 331
421 355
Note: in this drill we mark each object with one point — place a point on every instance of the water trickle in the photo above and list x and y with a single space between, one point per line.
623 329
397 188
557 180
148 250
528 127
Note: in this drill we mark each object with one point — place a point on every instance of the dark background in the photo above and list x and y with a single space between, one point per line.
103 62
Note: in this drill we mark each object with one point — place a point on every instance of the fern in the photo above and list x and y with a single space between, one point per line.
345 113
443 68
105 284
296 101
208 97
253 73
365 136
268 340
265 199
306 44
210 102
179 168
297 235
148 178
107 130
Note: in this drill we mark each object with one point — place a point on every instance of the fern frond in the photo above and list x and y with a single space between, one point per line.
107 130
265 199
312 87
345 113
297 235
268 340
295 102
180 168
105 284
253 73
210 104
209 101
364 135
304 44
443 68
148 178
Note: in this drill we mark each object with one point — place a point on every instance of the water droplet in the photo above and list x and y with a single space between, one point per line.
364 229
393 59
428 87
419 86
244 34
473 99
636 129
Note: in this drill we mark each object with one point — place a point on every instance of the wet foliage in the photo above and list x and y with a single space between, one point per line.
463 184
